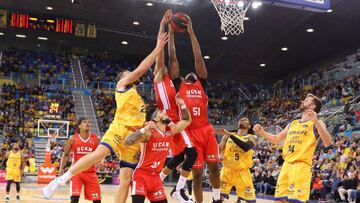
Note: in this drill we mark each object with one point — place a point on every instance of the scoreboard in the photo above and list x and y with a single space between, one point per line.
27 21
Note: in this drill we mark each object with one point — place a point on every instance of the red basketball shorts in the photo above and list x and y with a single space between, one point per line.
148 184
206 145
181 141
91 185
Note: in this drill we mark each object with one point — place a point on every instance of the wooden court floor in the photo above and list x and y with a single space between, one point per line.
31 193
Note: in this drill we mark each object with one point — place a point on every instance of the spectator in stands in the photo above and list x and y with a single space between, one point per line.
270 182
347 185
355 193
317 186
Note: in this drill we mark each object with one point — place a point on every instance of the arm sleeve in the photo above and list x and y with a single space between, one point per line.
246 146
203 83
177 83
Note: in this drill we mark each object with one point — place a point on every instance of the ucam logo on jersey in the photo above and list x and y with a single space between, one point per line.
192 93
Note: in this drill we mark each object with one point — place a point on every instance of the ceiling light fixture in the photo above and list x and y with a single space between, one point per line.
206 57
42 38
284 49
256 4
246 18
1 33
49 8
240 4
310 30
262 65
136 23
224 38
329 11
149 4
124 42
20 36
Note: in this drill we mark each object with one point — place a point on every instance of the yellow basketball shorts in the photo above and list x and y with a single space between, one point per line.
13 174
114 140
241 180
294 182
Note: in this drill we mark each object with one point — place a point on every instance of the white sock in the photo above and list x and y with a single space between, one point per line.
162 176
216 193
7 195
181 183
64 178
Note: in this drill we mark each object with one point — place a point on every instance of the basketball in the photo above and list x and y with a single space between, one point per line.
178 22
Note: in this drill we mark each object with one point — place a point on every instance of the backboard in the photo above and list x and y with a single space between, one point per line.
310 5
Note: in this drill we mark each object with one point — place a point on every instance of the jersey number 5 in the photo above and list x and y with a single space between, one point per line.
237 157
196 111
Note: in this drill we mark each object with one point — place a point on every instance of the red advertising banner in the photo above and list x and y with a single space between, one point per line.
47 171
2 176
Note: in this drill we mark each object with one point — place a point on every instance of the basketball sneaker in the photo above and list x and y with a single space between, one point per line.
17 197
49 190
217 201
7 198
180 195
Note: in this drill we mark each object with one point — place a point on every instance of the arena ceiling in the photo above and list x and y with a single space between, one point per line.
269 29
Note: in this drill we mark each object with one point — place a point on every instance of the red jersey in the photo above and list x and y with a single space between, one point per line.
82 147
196 101
154 152
165 96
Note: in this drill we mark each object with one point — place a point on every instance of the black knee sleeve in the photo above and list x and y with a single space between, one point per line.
75 199
174 162
189 185
161 201
97 201
17 187
138 198
8 185
191 156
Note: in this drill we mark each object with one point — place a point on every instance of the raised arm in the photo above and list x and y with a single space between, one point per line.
200 67
160 59
321 128
174 69
141 135
66 155
184 116
224 139
145 64
275 139
246 146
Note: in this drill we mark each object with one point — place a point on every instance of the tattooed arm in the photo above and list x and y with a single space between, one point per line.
141 135
185 117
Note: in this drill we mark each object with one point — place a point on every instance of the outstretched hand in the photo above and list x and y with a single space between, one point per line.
162 40
167 17
189 25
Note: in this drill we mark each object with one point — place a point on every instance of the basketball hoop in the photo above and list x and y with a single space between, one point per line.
232 15
53 137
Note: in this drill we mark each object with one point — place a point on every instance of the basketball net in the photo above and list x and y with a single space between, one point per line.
232 15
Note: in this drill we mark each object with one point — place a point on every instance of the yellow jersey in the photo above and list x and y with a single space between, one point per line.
300 142
236 158
14 161
130 108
